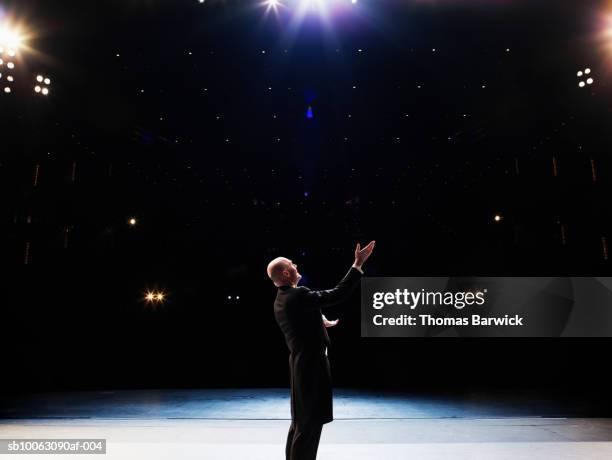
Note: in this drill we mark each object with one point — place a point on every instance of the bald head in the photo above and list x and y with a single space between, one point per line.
283 271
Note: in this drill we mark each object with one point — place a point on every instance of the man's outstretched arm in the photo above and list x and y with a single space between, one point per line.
330 297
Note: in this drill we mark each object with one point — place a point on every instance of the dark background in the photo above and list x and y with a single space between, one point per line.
223 174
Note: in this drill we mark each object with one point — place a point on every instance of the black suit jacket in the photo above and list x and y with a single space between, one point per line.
298 314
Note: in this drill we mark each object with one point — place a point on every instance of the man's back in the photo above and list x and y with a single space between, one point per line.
300 321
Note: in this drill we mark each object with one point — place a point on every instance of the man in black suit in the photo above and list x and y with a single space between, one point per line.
298 313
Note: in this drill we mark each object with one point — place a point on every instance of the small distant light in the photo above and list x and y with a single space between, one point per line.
497 218
10 78
10 65
237 297
590 81
47 81
7 90
37 89
582 84
39 78
587 71
45 91
132 221
580 73
155 296
229 297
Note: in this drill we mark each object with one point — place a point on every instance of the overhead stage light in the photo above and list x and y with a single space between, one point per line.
10 42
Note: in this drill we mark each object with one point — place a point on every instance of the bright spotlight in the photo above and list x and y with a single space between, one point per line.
582 84
132 221
7 90
37 89
587 71
579 73
590 81
273 5
497 218
39 78
10 38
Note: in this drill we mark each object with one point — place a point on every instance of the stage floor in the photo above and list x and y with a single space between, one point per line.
252 424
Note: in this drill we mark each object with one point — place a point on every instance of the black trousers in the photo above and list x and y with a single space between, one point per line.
303 441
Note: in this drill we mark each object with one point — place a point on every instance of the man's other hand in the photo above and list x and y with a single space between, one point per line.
328 323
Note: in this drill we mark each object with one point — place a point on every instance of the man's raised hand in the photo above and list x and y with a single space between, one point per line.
361 255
